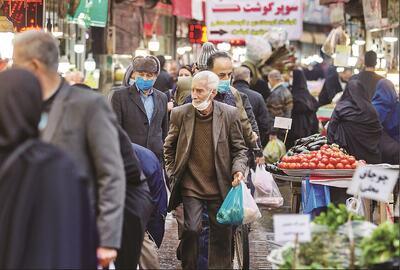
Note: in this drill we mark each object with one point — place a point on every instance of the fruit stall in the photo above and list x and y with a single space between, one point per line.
312 166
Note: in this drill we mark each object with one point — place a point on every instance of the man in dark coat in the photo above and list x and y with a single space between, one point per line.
368 78
141 109
242 83
164 81
204 151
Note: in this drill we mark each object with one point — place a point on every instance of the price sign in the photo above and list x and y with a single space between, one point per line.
287 227
283 123
374 182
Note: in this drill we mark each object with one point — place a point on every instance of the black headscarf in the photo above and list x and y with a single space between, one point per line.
46 222
355 124
304 117
21 108
331 87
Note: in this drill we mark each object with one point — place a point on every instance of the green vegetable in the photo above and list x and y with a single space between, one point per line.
382 245
335 216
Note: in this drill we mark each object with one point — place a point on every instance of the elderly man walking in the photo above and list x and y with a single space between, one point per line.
204 151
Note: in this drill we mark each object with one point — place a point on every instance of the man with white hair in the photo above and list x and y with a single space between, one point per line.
280 101
203 151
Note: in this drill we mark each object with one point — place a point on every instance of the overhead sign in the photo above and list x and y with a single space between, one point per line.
373 182
91 13
289 227
237 19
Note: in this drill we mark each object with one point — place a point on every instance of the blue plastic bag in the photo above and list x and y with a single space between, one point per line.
231 211
314 196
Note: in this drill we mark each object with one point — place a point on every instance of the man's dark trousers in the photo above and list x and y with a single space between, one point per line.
220 238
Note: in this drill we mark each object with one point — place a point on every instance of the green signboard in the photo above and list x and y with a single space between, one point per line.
91 13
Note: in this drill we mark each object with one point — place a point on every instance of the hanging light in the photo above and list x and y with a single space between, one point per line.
63 65
224 46
141 51
181 50
79 48
90 64
359 42
56 31
390 39
154 44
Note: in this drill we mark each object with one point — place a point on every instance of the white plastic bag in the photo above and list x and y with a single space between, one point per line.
257 49
266 190
250 208
355 205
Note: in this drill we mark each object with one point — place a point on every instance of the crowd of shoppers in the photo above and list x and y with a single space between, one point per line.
102 196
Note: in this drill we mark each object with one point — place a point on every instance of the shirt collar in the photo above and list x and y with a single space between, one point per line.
276 86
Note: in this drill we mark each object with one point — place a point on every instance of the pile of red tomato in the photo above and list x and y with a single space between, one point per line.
327 157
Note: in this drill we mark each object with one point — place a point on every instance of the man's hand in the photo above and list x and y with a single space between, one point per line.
237 177
105 256
255 136
260 160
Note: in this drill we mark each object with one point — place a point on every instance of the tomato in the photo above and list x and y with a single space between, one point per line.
335 149
298 165
305 165
312 165
339 165
315 160
325 146
284 159
321 165
351 159
325 161
345 161
330 166
291 166
333 160
354 165
347 166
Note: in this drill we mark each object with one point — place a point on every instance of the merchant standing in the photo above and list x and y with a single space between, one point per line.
204 151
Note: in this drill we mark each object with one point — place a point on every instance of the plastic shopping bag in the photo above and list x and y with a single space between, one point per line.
238 207
355 205
250 212
274 150
231 211
266 190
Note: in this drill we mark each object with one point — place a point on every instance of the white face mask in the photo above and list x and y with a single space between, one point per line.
202 105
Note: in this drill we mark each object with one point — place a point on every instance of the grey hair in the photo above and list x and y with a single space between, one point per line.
241 74
211 78
35 44
275 75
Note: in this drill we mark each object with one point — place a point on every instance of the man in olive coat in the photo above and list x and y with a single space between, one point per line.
204 150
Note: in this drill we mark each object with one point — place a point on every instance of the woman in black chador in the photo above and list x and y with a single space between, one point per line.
45 222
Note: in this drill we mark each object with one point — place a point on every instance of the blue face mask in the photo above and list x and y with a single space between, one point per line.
286 84
224 86
144 85
131 82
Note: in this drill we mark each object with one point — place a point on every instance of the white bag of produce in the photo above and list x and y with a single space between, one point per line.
250 209
257 49
266 190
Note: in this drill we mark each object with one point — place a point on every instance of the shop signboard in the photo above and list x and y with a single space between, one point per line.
236 19
316 13
91 13
372 14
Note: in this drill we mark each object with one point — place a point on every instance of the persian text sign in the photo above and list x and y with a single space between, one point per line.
373 182
287 227
236 19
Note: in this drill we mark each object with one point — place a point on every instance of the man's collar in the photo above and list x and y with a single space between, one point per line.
276 86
